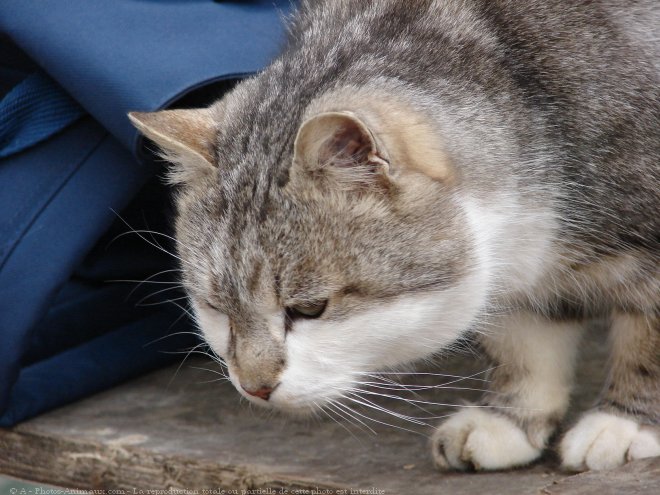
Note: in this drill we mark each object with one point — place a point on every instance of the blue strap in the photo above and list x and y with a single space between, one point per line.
32 111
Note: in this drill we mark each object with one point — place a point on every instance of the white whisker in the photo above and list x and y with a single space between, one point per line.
159 303
417 401
347 410
176 372
170 335
381 422
416 388
327 412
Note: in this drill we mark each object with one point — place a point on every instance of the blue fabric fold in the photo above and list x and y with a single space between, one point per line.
97 364
32 111
114 57
68 164
59 204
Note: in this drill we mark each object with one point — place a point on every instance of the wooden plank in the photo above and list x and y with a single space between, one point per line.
640 477
181 432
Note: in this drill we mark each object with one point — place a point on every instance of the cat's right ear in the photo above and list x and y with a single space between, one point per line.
340 146
186 139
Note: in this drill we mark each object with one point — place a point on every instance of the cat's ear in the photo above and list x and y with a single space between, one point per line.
341 145
186 138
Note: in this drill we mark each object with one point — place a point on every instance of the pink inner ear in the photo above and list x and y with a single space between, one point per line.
349 145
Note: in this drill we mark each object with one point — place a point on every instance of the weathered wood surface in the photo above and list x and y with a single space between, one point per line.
641 477
165 432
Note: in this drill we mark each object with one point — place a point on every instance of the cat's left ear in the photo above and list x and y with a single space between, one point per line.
344 147
340 145
186 137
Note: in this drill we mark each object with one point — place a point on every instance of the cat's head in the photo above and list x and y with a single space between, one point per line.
318 249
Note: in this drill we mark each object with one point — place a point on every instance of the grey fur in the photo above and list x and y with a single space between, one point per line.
556 93
557 101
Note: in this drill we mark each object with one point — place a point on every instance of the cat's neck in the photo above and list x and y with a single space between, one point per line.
515 242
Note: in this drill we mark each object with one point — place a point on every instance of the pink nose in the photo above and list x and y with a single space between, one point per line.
262 393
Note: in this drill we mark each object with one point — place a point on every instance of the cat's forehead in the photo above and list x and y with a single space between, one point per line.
249 235
256 125
273 241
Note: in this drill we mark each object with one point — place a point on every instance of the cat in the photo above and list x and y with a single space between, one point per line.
407 172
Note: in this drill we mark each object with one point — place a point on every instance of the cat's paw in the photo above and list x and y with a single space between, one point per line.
483 440
602 440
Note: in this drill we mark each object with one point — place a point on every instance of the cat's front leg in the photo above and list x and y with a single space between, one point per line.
626 423
533 366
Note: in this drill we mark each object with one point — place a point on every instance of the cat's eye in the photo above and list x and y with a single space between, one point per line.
213 306
308 310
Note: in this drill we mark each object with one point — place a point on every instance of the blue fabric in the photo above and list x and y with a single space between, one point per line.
67 80
123 55
95 365
32 111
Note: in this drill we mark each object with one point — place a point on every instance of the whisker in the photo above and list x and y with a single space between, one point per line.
170 335
178 319
139 233
416 388
184 360
381 408
412 373
409 401
214 380
413 419
184 310
166 301
349 411
442 404
194 350
154 294
223 376
152 232
327 413
128 281
418 401
147 279
383 422
414 393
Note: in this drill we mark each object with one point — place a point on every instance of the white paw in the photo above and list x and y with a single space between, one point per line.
481 439
604 441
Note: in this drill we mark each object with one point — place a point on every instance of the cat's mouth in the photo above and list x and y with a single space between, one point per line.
299 399
285 403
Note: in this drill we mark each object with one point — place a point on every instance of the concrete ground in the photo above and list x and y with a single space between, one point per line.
187 433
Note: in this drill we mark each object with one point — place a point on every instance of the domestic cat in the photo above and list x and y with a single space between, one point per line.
406 172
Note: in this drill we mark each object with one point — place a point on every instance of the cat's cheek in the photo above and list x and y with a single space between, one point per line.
326 359
215 328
